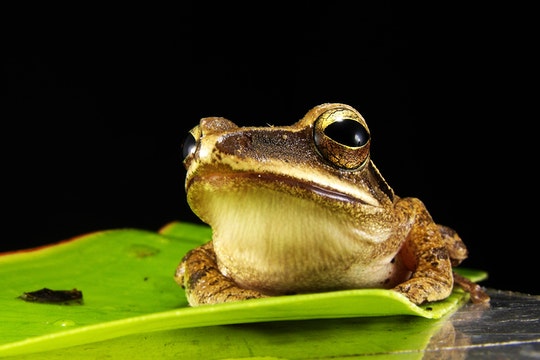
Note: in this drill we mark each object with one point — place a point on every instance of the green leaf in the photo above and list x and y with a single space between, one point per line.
129 295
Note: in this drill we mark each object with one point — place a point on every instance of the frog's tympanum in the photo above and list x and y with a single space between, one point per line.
302 208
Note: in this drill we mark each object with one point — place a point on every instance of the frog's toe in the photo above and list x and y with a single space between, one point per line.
199 275
421 290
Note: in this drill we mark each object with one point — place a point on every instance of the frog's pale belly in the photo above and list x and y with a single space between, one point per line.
315 256
307 247
300 275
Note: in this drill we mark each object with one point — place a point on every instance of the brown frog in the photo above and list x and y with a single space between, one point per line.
302 208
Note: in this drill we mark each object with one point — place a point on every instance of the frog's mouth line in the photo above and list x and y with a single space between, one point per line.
224 180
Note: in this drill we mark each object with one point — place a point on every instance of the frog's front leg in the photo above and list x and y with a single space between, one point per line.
426 254
199 275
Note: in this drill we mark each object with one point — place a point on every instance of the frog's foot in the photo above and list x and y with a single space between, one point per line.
420 290
199 275
478 295
423 289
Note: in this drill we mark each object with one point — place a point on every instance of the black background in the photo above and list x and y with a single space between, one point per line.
97 101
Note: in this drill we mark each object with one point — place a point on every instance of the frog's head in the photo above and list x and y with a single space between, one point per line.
316 171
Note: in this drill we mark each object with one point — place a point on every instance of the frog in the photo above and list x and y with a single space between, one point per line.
301 209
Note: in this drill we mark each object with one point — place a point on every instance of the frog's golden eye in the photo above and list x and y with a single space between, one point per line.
191 141
342 138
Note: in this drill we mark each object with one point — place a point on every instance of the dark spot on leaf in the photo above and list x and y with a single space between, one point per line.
48 296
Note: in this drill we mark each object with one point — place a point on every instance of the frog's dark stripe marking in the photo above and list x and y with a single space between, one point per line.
195 277
383 185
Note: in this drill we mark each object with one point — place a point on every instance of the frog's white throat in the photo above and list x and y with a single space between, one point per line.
270 236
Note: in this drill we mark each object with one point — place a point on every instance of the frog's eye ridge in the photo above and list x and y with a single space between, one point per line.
347 132
189 145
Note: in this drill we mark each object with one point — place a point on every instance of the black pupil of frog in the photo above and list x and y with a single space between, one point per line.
347 132
188 147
